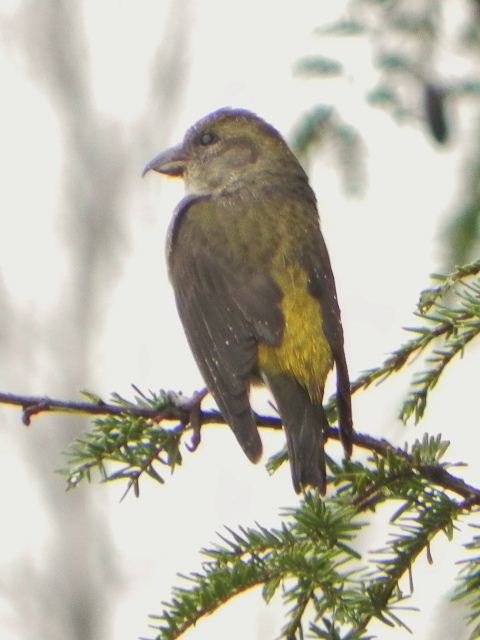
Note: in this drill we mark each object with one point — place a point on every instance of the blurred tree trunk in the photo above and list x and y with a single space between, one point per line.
69 599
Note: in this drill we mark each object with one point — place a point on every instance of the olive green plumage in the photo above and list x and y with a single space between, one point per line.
253 284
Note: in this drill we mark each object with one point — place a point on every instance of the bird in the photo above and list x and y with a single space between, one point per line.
254 286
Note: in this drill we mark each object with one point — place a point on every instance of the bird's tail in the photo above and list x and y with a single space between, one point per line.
304 424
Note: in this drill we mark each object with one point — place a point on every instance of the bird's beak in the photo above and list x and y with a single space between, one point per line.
171 162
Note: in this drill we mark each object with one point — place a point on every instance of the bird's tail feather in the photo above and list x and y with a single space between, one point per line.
304 424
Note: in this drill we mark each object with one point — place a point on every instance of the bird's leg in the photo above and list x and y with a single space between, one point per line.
194 405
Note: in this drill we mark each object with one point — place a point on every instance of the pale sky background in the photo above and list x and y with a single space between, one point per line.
383 248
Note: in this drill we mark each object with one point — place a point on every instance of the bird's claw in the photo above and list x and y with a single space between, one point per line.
193 406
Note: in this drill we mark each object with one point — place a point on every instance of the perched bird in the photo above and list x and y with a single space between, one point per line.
254 286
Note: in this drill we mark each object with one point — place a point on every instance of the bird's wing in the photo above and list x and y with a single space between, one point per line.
322 286
225 312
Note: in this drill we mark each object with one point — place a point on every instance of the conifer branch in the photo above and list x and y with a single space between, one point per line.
308 565
310 561
132 435
421 518
311 564
447 329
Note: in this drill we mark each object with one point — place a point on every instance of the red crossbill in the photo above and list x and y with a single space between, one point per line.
254 286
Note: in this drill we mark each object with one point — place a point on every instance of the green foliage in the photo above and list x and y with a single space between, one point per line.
318 66
312 562
462 231
450 327
468 587
297 560
410 46
322 128
342 27
450 313
391 61
126 446
400 37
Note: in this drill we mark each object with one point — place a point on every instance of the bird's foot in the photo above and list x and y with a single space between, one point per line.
194 407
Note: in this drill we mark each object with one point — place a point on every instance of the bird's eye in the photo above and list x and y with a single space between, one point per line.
207 139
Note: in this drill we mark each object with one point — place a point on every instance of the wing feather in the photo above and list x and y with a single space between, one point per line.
322 286
225 313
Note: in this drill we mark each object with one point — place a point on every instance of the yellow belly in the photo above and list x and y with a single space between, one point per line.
304 352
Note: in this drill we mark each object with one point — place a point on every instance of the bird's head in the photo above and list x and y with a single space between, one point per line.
227 148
